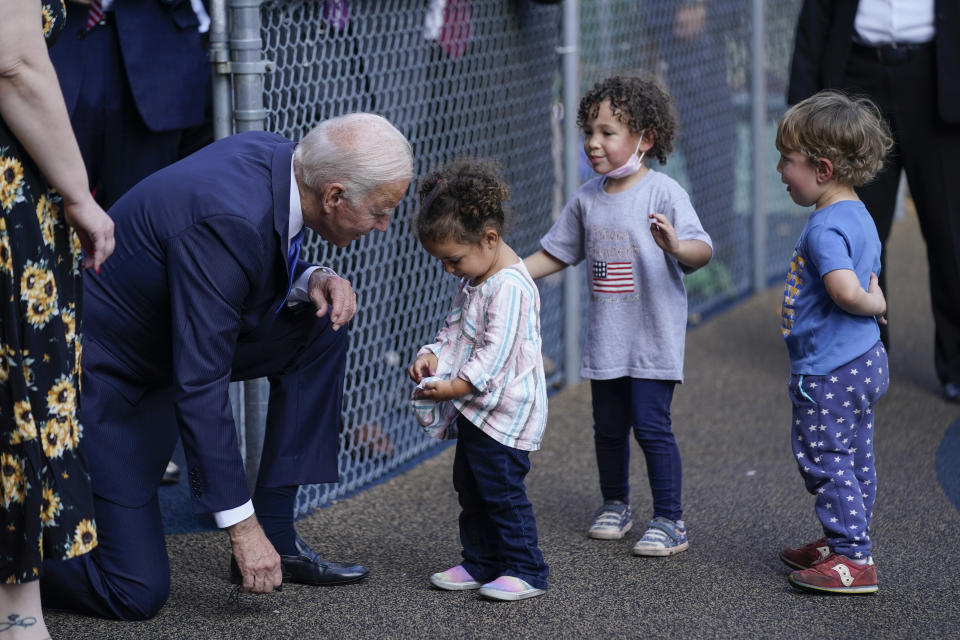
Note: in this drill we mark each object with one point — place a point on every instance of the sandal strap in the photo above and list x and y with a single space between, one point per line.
610 515
666 527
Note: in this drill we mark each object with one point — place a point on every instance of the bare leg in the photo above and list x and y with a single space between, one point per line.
21 617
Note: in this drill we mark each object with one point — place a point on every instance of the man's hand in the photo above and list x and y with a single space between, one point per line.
259 562
332 294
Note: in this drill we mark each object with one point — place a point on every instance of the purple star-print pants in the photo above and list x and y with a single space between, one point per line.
832 434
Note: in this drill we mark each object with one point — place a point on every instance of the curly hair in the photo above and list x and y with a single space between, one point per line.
460 200
638 102
846 130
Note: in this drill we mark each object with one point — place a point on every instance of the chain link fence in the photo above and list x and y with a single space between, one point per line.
702 53
482 78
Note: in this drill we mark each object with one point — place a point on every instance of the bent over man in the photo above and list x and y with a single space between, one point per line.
205 287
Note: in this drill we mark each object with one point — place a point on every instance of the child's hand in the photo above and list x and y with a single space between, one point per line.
664 234
873 289
422 367
438 390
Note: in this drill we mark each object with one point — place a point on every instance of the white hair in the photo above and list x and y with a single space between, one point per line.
362 151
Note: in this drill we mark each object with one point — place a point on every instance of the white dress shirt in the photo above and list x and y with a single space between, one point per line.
880 22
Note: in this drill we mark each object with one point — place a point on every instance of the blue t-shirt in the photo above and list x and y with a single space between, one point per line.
821 336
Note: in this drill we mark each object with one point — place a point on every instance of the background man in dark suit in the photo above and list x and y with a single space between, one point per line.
134 84
907 60
201 292
137 87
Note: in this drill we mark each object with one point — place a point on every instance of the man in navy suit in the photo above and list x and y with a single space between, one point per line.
906 58
134 83
200 292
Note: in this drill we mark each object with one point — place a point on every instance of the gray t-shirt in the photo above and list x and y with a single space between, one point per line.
637 317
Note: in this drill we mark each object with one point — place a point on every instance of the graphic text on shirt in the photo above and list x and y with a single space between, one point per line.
791 289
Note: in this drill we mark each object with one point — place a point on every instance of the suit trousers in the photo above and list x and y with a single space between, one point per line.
497 529
118 148
127 575
926 149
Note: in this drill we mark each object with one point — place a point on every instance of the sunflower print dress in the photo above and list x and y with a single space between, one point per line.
46 507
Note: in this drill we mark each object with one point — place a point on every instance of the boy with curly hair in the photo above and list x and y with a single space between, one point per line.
639 234
832 304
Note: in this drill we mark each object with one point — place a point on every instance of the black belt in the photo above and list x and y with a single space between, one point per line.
895 53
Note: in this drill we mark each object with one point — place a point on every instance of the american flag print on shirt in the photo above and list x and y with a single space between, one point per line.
612 277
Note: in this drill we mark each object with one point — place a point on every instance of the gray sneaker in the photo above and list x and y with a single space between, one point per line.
611 521
664 537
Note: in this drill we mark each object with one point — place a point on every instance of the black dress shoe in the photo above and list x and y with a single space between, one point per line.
951 391
310 568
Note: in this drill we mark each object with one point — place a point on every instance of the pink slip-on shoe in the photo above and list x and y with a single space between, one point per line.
454 579
509 588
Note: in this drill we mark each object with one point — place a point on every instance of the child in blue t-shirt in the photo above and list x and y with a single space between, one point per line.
832 302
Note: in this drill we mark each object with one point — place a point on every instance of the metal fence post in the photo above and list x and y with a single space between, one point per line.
220 63
758 87
570 51
247 67
223 127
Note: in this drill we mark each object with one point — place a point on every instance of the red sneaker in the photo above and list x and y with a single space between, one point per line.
806 556
837 574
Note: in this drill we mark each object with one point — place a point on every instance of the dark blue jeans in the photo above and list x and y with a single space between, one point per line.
497 528
645 405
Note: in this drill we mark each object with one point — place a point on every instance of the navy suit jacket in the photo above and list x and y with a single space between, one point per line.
200 264
825 35
163 57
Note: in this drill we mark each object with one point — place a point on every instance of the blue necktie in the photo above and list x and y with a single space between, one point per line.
292 254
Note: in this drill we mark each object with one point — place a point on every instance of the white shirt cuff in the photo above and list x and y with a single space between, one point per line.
231 517
298 292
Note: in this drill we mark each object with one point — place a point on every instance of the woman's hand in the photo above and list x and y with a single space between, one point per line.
94 227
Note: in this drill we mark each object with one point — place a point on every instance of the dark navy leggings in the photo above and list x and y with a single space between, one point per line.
644 405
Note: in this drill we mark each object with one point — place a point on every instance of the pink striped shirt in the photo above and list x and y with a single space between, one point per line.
491 338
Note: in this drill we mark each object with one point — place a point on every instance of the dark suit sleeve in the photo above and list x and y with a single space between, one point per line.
211 268
809 47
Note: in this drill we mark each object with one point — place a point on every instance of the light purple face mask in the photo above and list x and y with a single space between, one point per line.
631 166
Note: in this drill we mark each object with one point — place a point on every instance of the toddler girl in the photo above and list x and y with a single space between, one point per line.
481 381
